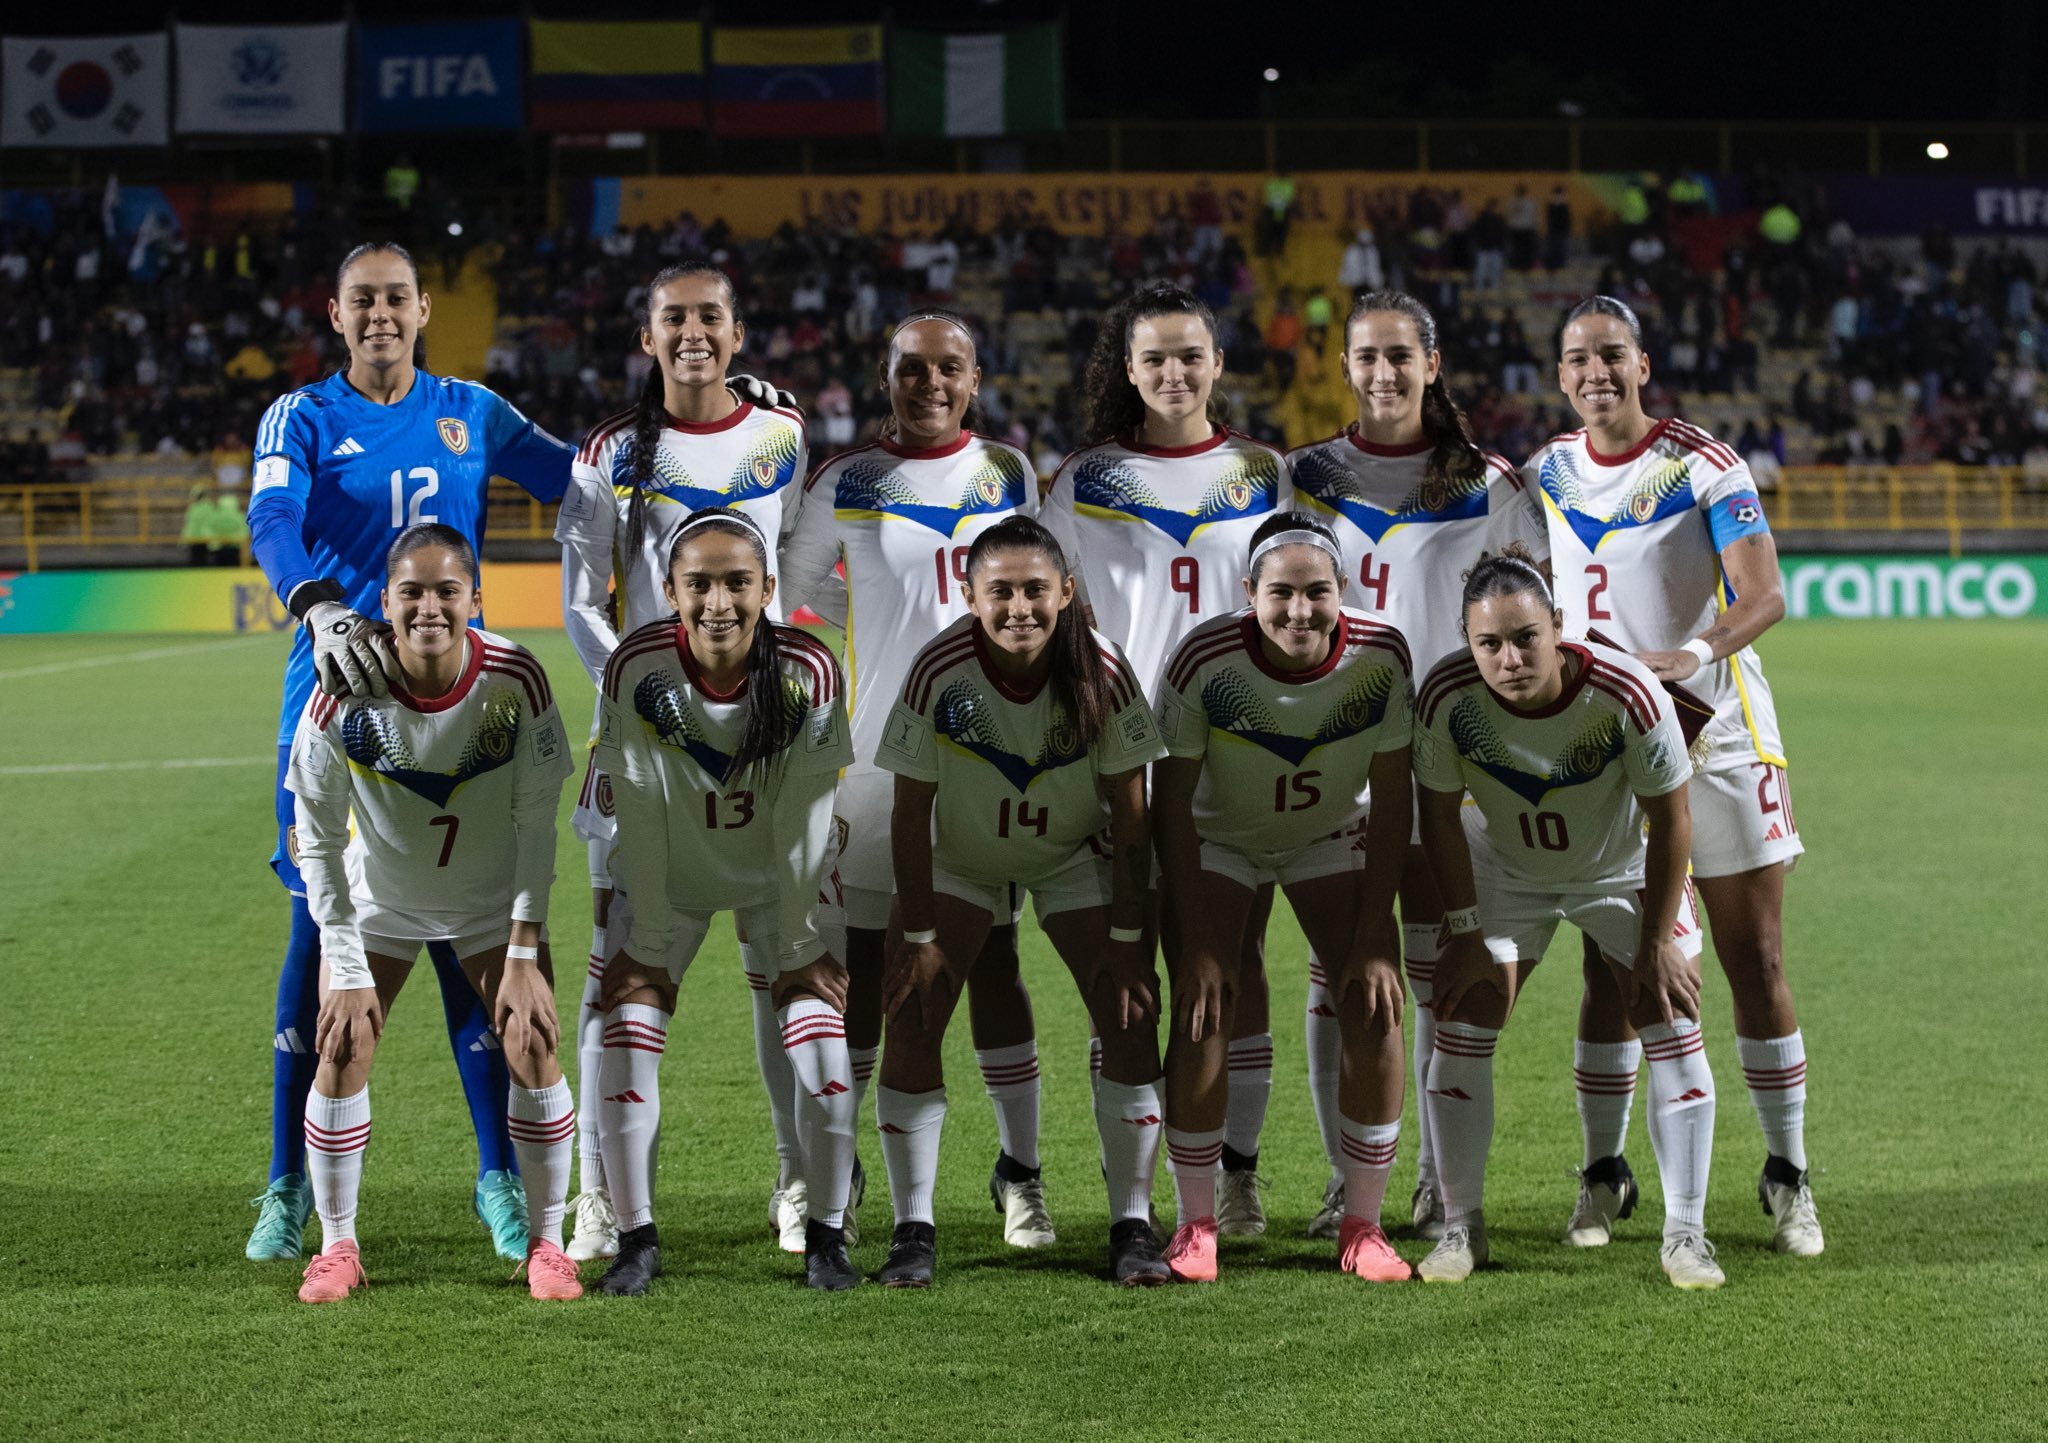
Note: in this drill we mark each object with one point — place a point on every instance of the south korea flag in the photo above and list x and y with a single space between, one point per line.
86 91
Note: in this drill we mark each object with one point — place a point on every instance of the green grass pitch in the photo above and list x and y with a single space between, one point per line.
139 932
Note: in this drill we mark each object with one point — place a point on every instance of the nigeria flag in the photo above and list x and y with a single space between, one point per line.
1003 83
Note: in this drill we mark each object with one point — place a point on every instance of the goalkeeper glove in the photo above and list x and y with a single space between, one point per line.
760 393
351 654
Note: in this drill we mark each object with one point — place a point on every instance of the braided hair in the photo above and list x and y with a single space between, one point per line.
1113 407
1454 456
650 406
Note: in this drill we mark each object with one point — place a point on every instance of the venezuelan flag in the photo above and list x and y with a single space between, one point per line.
817 80
617 76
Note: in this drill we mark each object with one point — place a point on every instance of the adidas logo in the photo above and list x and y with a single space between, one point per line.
626 1097
831 1089
1774 834
349 447
1148 1120
288 1041
486 1043
1457 1092
1693 1094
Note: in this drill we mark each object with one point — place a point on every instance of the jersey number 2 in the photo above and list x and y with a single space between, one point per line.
403 515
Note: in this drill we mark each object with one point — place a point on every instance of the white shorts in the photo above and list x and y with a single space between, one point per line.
1520 921
757 922
1081 881
1742 820
1324 857
467 944
862 809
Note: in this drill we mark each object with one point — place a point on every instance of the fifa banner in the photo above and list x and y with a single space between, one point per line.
517 596
1080 204
1912 588
263 80
439 77
85 92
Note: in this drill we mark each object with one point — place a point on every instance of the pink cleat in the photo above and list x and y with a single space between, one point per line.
1363 1249
334 1273
1192 1253
551 1275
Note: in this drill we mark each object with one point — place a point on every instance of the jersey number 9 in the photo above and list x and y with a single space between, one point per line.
1184 578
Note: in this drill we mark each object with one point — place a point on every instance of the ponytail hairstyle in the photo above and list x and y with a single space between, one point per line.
1455 460
1603 306
423 534
387 248
1512 572
773 715
650 407
1282 528
1114 409
1080 675
972 419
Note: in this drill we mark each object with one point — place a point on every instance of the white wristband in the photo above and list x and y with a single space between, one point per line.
1465 919
517 953
918 939
1126 934
1702 650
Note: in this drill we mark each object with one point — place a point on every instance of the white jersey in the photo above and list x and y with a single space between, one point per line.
1557 787
1286 755
453 800
752 461
690 835
902 521
1017 792
1408 542
1635 545
1158 537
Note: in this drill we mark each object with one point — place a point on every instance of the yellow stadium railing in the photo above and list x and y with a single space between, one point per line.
75 521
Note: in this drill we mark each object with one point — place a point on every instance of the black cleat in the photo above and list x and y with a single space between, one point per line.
1134 1257
638 1263
912 1255
825 1264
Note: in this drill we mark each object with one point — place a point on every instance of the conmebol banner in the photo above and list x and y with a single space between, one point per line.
261 80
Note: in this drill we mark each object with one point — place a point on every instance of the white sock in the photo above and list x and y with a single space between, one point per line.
1460 1102
1251 1088
1681 1121
1605 1074
1325 1060
814 1042
337 1131
1775 1069
543 1129
910 1123
862 1060
589 1064
629 1107
1368 1157
1419 952
1011 1076
1127 1120
776 1077
1094 1063
1197 1158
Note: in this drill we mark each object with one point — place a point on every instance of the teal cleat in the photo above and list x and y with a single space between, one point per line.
280 1231
501 1204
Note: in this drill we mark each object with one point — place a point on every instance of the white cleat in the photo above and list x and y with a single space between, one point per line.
1026 1224
1792 1213
1456 1255
1426 1211
1689 1262
796 1211
1239 1212
595 1233
1607 1193
1329 1219
775 1209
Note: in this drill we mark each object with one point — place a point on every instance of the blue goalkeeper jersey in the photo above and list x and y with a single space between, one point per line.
338 476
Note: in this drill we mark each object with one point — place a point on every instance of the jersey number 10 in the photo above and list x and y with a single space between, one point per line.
403 515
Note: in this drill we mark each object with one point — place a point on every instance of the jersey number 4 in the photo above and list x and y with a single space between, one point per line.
404 514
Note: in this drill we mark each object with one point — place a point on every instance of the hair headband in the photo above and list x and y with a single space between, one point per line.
1301 537
954 321
752 527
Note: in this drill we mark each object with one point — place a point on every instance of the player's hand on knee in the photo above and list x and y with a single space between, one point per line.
525 1016
1463 966
824 979
1378 985
1666 984
918 970
1126 969
352 655
626 974
351 1021
1199 993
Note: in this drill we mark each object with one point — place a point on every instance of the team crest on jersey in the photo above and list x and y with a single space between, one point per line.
764 470
606 807
1114 489
376 747
1642 506
963 716
1233 705
1237 493
1585 757
454 433
1323 480
867 490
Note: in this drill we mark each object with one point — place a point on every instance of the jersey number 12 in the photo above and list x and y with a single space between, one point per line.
402 515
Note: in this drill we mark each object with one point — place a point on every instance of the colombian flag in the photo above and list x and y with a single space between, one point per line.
822 80
625 76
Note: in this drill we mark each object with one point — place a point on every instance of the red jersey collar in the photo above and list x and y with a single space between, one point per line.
1372 449
1572 688
1173 453
1631 453
710 428
1010 690
927 453
1253 639
472 666
695 674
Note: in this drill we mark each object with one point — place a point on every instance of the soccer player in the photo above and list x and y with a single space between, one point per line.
901 514
1276 719
1158 512
1414 503
341 467
1574 757
1019 744
1657 532
428 815
723 734
688 442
